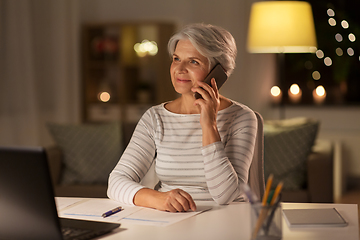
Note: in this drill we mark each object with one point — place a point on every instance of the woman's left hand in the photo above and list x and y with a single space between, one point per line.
209 106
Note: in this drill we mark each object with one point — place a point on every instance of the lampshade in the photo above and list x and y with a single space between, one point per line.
281 27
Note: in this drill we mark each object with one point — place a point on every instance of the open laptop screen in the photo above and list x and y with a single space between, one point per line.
27 204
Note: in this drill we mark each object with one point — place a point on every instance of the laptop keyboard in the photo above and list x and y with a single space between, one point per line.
75 233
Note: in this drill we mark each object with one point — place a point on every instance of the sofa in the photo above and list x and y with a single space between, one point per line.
317 186
319 177
294 155
74 142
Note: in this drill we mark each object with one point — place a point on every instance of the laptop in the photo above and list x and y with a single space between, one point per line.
27 203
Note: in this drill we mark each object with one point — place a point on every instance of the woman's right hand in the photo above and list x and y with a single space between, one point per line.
175 200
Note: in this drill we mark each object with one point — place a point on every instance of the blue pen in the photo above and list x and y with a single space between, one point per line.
111 212
249 194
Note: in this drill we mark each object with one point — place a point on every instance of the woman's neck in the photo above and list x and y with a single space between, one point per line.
185 105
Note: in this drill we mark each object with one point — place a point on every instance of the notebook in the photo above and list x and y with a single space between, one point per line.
322 217
27 203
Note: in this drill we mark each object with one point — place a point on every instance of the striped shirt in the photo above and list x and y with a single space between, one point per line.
174 141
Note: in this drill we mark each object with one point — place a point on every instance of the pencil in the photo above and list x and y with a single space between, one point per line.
267 190
264 211
274 204
276 193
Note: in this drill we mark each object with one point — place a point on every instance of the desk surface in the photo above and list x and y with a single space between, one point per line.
232 222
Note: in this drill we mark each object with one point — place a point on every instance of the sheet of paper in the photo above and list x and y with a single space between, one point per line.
62 202
147 216
92 209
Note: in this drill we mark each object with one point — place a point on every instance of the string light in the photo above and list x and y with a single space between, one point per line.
339 52
342 36
344 24
350 51
352 37
330 12
332 22
338 37
328 61
316 75
319 54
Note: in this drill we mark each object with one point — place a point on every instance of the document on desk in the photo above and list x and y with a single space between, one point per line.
92 209
148 216
63 203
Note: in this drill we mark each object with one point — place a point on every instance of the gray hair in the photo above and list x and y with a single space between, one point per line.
213 42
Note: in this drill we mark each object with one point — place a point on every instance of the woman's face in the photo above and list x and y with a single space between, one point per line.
188 66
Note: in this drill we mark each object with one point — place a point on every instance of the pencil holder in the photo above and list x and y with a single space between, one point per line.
266 222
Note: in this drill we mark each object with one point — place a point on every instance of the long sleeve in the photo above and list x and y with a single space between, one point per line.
174 142
227 163
124 180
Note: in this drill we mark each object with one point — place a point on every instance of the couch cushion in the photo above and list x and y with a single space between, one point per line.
287 144
90 151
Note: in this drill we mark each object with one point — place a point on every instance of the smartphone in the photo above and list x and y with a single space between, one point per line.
220 77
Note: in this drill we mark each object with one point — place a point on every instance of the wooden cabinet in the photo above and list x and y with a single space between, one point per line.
125 69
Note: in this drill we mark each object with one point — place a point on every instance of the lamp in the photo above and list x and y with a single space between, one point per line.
281 27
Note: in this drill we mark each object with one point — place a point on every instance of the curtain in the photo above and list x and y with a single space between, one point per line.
38 69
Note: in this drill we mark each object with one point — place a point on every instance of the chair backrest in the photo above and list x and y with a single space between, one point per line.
256 173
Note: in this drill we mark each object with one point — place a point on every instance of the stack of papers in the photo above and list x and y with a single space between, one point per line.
92 209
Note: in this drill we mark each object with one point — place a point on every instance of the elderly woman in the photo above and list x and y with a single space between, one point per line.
202 147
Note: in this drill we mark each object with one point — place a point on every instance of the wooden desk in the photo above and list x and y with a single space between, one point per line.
233 222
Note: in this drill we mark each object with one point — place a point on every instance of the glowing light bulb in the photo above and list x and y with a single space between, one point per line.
350 51
276 94
328 61
320 91
332 22
352 37
319 95
344 24
104 96
294 89
275 91
294 93
339 52
316 75
319 53
338 37
330 12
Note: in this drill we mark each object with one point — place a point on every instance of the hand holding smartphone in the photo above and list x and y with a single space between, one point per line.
220 77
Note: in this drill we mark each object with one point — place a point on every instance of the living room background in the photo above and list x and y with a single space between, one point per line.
40 65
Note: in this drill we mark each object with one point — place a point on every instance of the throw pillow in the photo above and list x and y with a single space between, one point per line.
287 144
90 151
